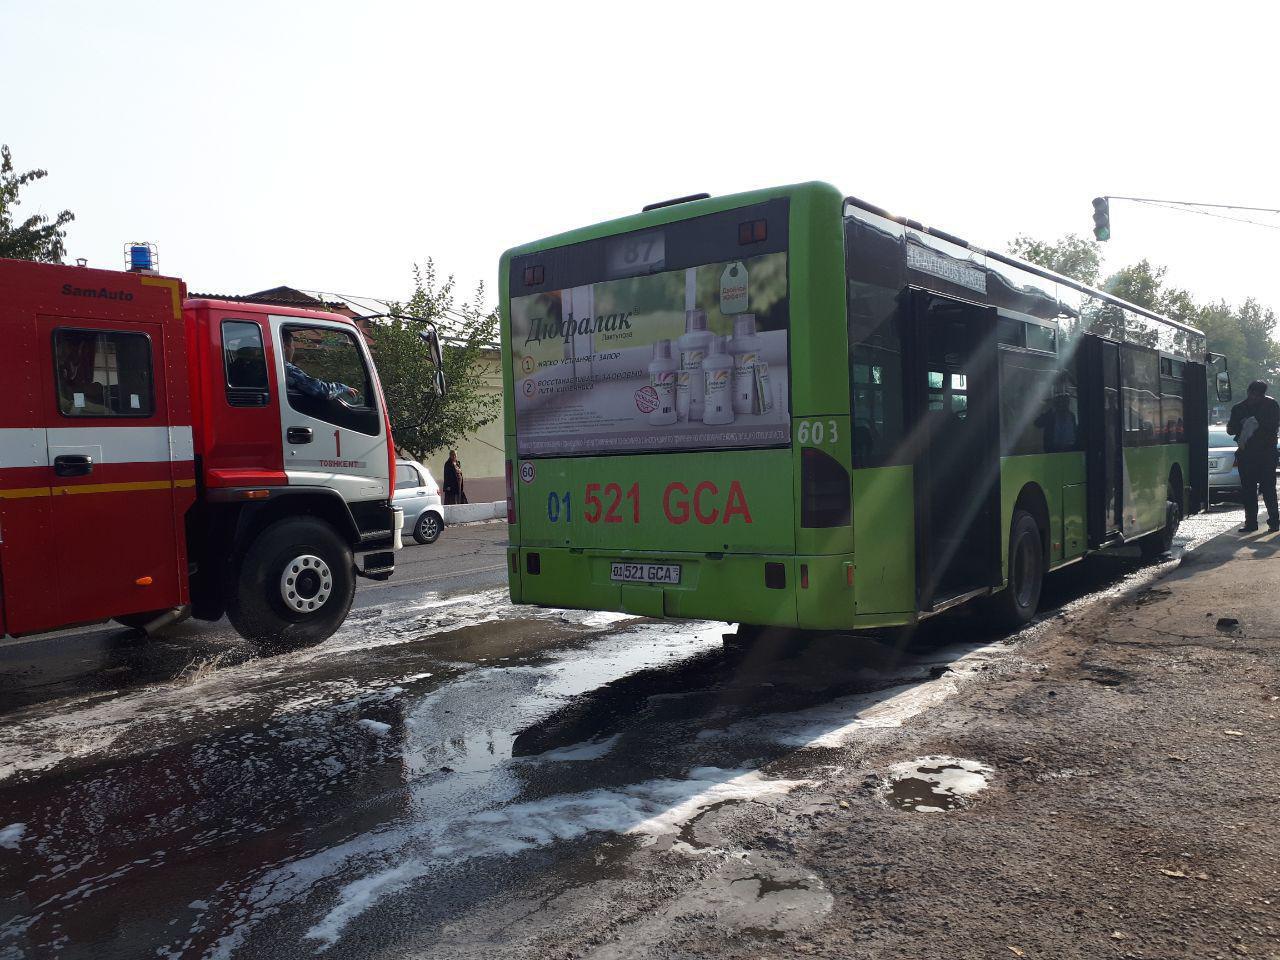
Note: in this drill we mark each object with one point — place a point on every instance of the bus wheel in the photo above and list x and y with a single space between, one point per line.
294 586
1016 604
1161 542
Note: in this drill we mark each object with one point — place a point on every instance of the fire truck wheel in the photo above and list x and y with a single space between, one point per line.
294 586
427 529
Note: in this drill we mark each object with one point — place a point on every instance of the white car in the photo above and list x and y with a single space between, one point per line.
418 495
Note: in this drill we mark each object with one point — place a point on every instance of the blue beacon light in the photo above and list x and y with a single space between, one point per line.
139 257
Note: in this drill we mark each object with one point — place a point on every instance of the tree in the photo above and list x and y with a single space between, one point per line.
1072 256
1141 284
1245 334
421 420
36 238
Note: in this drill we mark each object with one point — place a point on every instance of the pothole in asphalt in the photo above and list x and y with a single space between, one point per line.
935 784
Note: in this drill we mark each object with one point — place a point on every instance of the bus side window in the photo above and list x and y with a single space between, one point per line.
875 363
1139 394
1173 429
1038 406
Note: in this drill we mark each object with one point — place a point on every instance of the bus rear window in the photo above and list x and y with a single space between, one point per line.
669 338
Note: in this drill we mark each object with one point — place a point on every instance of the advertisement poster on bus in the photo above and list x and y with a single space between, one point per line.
691 359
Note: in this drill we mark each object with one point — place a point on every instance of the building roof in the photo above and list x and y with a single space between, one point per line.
285 297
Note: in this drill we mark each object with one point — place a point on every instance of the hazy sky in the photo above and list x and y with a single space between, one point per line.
330 145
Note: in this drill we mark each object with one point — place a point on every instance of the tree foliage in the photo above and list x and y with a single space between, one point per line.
422 421
36 238
1073 256
1244 334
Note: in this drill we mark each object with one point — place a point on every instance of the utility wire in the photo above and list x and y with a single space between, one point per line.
1193 203
1188 208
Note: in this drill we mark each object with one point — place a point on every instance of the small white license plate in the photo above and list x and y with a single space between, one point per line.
644 572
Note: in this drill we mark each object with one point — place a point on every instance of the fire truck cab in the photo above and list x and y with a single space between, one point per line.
163 457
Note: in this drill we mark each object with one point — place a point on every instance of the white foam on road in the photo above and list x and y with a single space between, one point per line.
590 750
838 722
11 835
649 810
946 778
149 718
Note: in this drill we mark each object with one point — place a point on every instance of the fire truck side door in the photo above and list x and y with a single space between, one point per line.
28 565
111 467
332 437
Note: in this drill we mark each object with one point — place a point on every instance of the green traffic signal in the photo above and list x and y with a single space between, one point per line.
1101 218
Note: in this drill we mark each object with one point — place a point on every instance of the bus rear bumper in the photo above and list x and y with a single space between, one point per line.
811 593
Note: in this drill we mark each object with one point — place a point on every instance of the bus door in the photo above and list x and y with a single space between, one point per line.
110 467
952 407
1100 411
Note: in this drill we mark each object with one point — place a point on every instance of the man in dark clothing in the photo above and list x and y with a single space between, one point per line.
1254 423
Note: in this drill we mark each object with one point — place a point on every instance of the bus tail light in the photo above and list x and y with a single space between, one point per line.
804 576
511 493
825 491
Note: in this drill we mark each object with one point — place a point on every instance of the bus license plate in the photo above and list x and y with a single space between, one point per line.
645 572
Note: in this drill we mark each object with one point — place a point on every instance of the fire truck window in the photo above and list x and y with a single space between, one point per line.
242 352
327 379
103 373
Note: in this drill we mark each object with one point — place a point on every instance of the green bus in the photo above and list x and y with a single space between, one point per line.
790 408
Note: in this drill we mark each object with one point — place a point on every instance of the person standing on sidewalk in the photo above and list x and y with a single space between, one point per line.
455 488
1254 423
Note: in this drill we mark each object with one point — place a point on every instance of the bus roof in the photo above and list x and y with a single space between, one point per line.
670 213
1021 265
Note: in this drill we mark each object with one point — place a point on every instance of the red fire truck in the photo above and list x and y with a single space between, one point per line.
163 457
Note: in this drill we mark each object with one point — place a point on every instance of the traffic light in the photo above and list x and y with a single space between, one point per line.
1101 218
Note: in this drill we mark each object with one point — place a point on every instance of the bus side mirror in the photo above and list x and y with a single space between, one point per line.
1223 385
431 337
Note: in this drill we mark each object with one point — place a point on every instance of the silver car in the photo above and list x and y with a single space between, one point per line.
418 495
1224 474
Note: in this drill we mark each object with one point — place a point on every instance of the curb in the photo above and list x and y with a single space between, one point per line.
474 512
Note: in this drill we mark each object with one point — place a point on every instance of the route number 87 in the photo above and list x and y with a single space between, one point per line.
817 432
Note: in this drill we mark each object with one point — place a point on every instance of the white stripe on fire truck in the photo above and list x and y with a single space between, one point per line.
35 447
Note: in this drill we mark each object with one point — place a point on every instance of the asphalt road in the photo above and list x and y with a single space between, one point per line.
446 776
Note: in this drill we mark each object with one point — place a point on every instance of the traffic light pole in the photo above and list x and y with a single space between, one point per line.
1102 212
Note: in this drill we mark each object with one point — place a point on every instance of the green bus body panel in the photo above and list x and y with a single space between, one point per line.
1146 476
732 502
683 497
1051 472
884 521
727 587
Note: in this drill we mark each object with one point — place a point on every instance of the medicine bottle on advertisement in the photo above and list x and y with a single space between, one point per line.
733 288
745 347
717 375
662 376
693 348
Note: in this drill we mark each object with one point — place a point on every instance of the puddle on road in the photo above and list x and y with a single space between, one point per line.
935 784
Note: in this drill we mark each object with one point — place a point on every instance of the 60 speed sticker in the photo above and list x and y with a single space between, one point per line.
527 472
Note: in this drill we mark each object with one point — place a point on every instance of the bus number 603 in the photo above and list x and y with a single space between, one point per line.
817 432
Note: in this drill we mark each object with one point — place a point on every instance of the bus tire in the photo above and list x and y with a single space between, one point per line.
1161 542
294 585
1015 605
